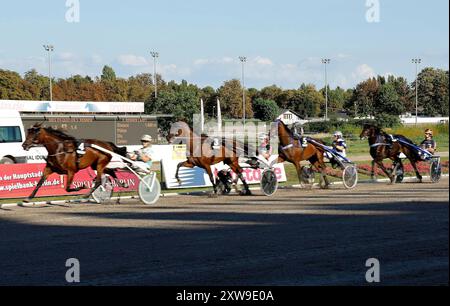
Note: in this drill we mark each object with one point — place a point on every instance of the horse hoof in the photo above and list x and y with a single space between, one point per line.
246 193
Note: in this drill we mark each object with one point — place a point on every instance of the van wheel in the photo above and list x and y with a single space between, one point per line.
6 161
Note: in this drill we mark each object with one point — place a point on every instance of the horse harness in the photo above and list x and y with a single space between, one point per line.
381 141
70 147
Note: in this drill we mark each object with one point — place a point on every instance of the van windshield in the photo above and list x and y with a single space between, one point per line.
10 134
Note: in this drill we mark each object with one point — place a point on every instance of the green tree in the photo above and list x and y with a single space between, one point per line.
37 85
388 101
362 103
140 87
180 100
337 99
108 74
272 92
306 101
265 110
433 91
209 96
230 95
13 87
404 92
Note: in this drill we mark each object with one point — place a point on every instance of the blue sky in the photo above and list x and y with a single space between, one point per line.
200 40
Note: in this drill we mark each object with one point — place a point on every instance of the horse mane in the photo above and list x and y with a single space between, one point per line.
279 121
60 134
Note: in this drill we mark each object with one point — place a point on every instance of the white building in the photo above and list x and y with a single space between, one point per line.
409 119
289 117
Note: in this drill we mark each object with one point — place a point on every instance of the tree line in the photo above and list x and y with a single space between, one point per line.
381 97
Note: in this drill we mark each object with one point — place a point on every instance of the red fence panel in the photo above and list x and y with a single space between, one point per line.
19 180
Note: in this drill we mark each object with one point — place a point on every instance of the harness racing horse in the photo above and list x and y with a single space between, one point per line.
202 155
290 149
63 158
381 148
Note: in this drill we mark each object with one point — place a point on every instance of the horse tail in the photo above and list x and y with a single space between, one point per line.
122 151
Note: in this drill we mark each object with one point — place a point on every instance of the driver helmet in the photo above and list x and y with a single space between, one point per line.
147 138
263 136
338 134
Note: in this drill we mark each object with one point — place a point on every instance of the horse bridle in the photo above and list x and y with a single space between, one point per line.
291 142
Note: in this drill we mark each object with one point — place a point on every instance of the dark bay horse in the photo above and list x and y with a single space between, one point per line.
381 147
202 155
290 149
63 158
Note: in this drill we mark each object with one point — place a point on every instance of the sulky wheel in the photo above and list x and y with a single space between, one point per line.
435 170
149 189
269 182
350 176
104 192
307 177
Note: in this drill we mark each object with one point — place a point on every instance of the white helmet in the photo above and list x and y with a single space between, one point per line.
262 136
146 138
338 134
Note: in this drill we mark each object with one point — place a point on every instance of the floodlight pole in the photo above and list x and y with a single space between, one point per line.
155 55
243 60
49 49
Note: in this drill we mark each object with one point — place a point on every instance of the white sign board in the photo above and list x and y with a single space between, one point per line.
72 107
197 177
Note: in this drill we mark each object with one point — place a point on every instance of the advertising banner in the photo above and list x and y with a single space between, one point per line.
19 180
197 177
73 106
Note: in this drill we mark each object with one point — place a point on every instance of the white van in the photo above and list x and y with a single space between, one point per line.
12 135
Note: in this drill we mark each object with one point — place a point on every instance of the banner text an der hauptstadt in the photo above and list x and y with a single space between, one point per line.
19 180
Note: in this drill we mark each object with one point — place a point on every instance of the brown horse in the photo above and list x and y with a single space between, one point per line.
381 147
290 149
63 158
202 155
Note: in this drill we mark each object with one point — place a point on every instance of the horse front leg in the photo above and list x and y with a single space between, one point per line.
47 172
70 177
372 171
298 168
383 168
212 179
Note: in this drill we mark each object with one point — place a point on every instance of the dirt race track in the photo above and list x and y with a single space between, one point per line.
297 237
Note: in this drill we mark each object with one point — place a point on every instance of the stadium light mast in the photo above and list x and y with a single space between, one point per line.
325 62
417 61
243 60
49 49
155 55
